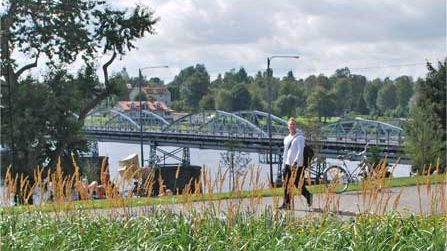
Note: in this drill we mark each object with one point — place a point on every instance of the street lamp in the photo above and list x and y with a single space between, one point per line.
269 118
140 75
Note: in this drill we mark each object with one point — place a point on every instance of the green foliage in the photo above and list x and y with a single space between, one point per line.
431 95
321 103
370 95
207 230
45 124
61 33
286 105
386 97
404 91
426 131
423 141
190 85
207 102
344 95
119 87
240 97
224 100
143 97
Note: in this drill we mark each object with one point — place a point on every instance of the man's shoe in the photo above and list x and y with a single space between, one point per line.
285 206
310 200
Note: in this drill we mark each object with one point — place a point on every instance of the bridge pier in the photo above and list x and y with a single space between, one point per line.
160 157
153 160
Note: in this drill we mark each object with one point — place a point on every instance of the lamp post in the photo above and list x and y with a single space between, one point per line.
269 118
140 82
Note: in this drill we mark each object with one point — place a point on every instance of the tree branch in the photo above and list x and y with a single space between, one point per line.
105 69
102 95
27 67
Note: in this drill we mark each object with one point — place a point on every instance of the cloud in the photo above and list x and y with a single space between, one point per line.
366 35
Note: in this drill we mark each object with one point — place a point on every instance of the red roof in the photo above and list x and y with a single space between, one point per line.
154 106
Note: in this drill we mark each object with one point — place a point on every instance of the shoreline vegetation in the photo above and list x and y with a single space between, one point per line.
63 187
236 220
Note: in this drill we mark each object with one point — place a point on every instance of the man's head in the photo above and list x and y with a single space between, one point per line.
292 125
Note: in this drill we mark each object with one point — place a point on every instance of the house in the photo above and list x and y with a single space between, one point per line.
157 92
157 107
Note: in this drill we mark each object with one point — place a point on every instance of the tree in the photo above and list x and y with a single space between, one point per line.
404 90
241 76
321 103
240 97
342 73
343 94
60 32
121 92
224 100
358 86
431 94
370 95
174 86
422 141
386 97
195 87
207 102
289 76
143 97
286 105
426 132
45 119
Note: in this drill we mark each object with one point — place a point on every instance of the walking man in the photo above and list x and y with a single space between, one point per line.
294 165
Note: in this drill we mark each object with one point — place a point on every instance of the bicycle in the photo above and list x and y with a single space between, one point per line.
338 177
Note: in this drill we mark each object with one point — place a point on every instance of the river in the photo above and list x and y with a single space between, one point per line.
210 159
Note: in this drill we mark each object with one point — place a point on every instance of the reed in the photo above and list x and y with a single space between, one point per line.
207 218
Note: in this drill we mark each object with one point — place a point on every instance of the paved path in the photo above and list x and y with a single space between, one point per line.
406 200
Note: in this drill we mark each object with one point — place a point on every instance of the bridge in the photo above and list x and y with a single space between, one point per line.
245 131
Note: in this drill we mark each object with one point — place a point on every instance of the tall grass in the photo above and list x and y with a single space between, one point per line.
216 223
166 230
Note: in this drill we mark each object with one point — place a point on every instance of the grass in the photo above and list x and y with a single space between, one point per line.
165 230
174 199
67 225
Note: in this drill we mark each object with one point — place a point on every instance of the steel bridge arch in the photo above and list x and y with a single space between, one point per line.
110 120
150 121
215 122
363 129
260 119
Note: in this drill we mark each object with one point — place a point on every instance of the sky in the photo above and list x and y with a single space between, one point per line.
375 38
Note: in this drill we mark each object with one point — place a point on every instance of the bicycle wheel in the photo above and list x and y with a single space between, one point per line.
336 179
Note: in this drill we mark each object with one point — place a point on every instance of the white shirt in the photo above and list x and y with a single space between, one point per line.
294 153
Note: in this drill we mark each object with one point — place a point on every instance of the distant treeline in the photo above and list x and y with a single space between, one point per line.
322 96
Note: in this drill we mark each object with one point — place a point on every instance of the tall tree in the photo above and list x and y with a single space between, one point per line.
58 33
370 95
343 94
287 105
224 100
195 87
386 97
174 86
240 97
426 131
321 103
422 141
358 86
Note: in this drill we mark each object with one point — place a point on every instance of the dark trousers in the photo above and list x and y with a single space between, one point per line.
297 179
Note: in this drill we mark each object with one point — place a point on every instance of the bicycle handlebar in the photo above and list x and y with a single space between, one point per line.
353 153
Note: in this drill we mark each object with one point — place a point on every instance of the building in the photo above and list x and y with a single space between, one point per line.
157 107
157 92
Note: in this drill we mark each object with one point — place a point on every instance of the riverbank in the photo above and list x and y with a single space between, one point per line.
422 182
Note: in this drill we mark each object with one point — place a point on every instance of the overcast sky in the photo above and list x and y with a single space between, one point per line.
375 38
